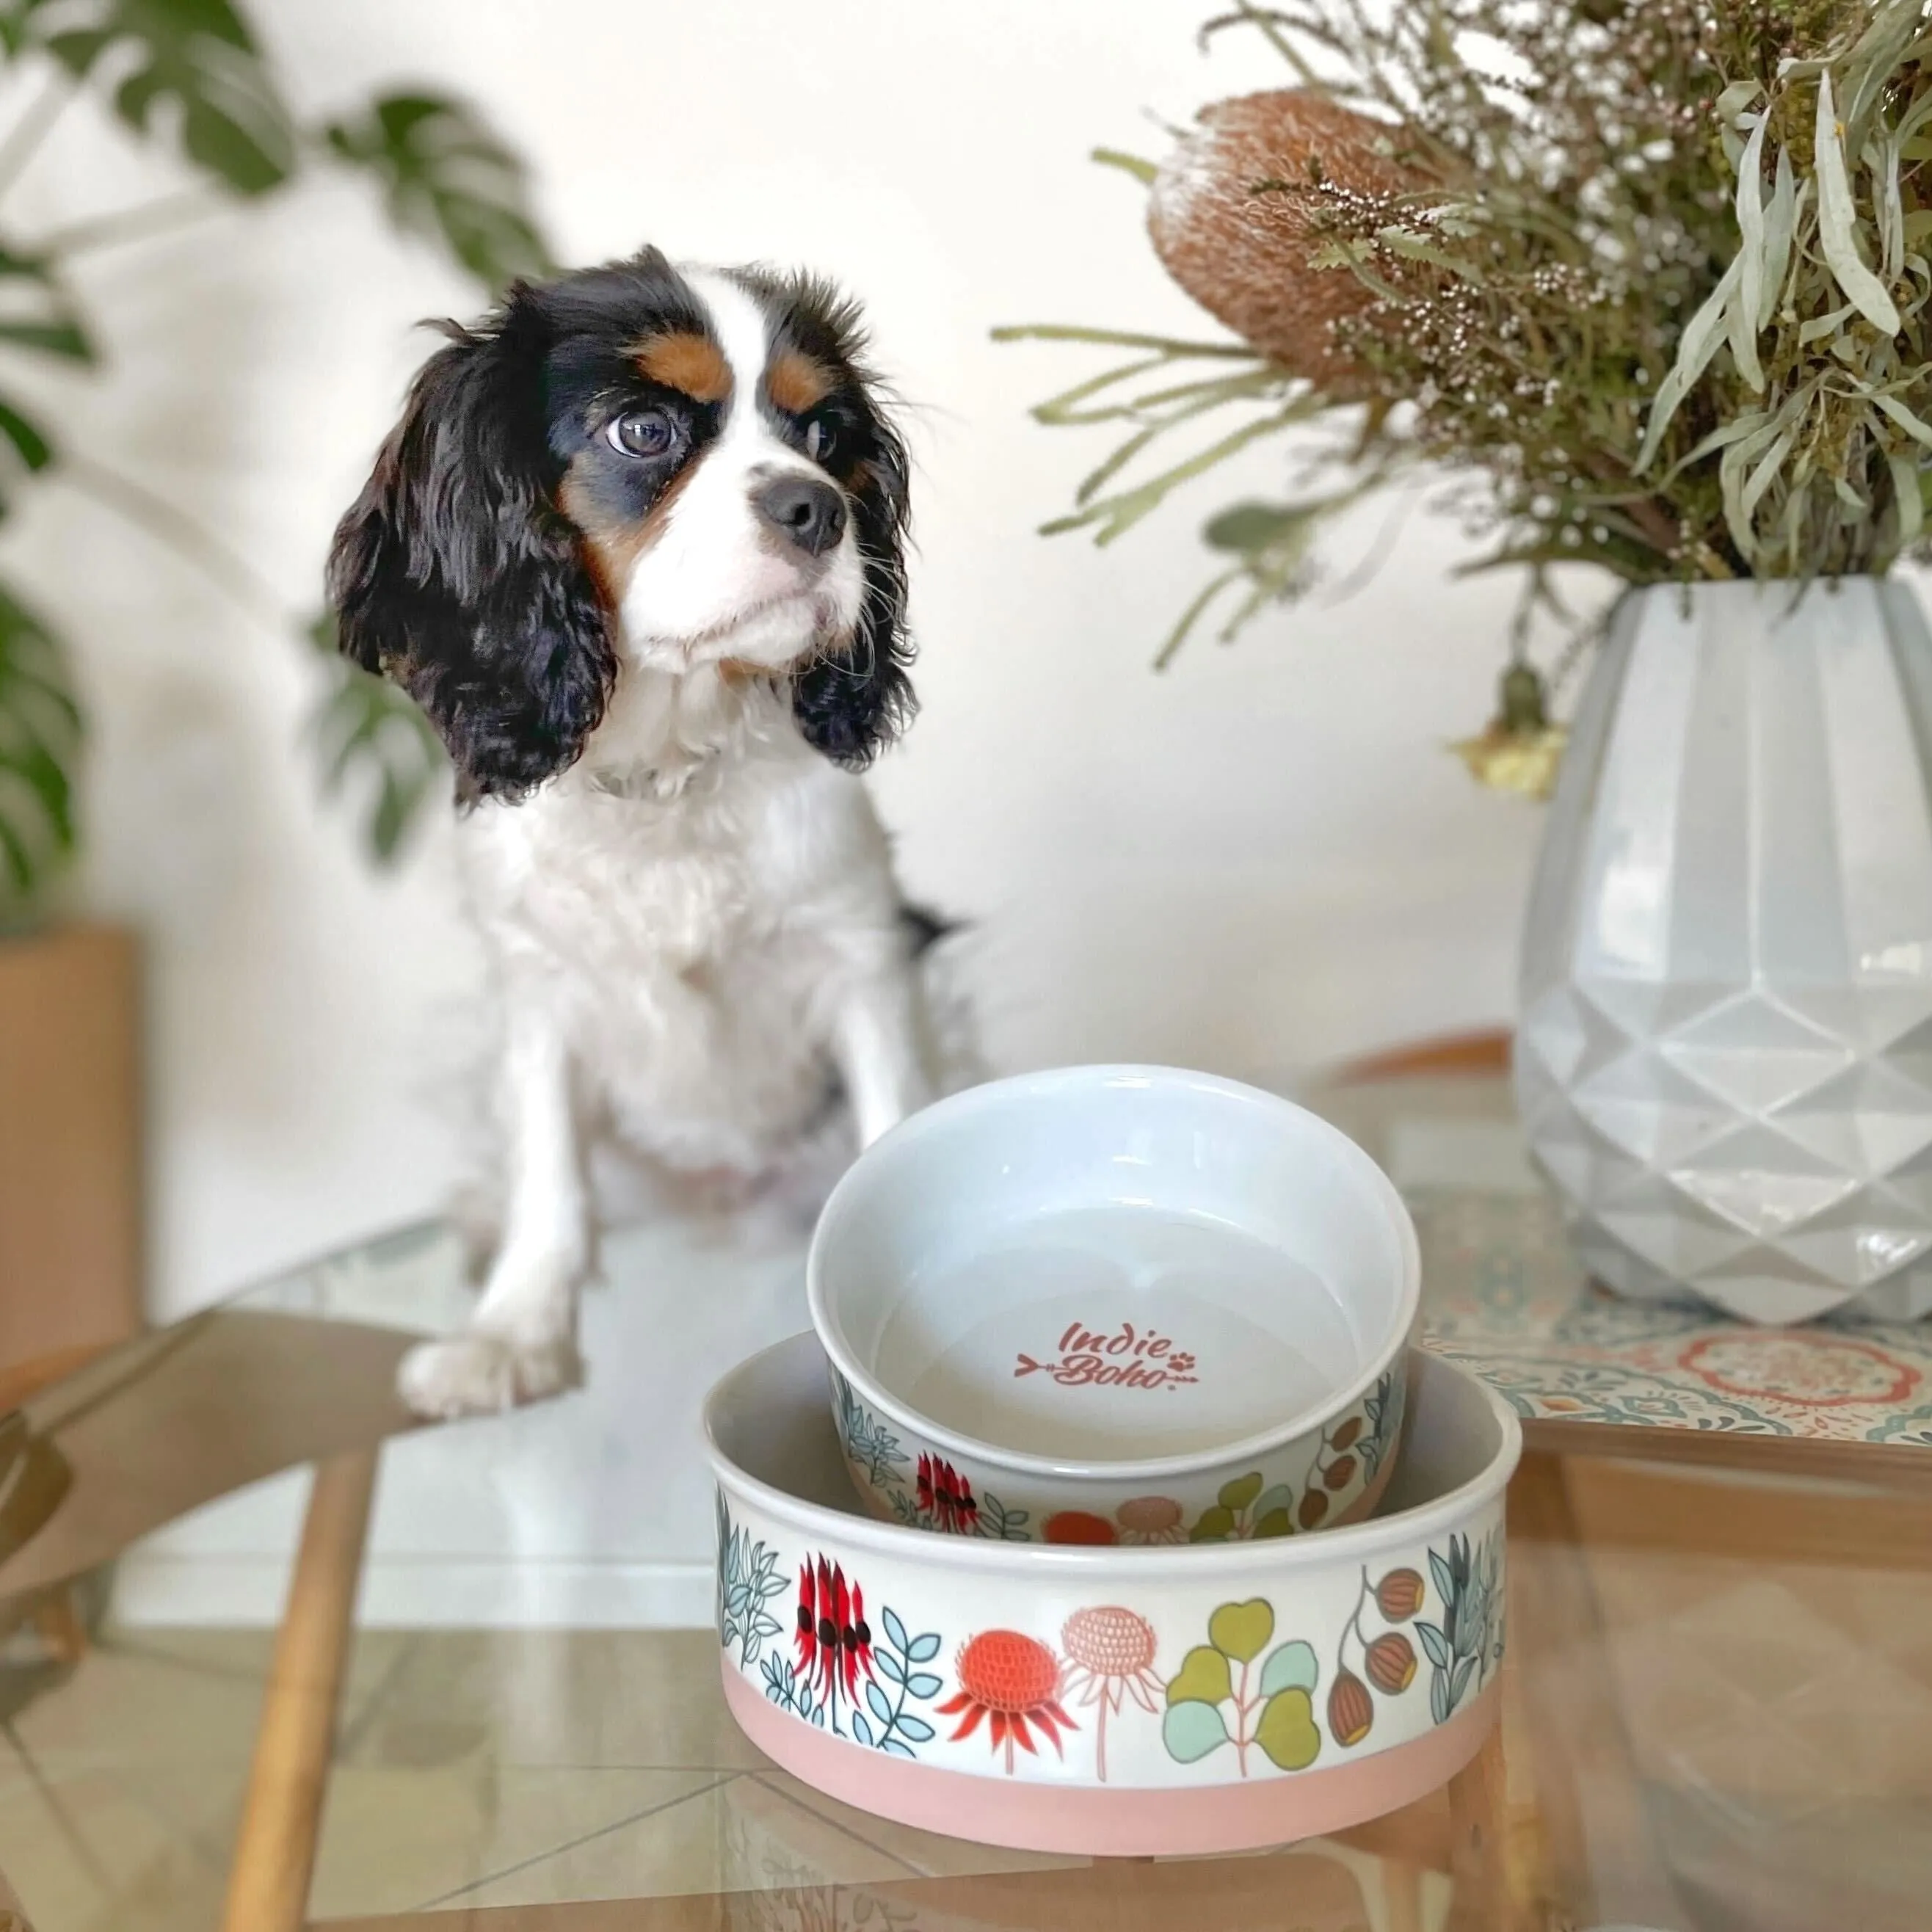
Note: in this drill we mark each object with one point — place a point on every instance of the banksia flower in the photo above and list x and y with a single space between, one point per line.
1391 1664
1344 1438
1014 1681
1340 1472
1351 1709
1398 1595
1110 1654
1244 255
1151 1519
1314 1508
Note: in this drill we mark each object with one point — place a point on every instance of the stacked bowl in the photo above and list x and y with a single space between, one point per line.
1133 1523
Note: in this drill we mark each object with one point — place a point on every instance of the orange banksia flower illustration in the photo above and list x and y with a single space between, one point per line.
1013 1682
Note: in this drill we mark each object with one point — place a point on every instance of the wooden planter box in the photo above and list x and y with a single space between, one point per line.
70 1148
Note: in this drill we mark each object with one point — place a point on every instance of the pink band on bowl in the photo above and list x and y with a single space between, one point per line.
1109 1821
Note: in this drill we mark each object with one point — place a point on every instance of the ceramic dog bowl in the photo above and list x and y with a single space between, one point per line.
1104 1702
1116 1305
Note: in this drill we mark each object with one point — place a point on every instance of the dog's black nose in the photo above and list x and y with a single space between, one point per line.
804 512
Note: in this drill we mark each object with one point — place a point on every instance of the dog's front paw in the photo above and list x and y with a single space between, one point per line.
482 1373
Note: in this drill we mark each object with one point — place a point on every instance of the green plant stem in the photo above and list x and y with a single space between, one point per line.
24 138
160 217
139 505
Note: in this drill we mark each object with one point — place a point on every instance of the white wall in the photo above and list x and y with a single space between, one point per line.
1262 860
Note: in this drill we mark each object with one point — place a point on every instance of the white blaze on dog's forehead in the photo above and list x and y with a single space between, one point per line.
743 330
712 579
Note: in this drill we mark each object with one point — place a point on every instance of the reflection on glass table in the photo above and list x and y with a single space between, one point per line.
231 1698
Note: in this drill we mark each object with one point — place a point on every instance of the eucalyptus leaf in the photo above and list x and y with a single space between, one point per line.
1780 224
1914 426
1906 493
1836 219
1698 343
1753 265
1247 527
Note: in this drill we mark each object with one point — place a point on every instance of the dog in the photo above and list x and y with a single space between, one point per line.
637 549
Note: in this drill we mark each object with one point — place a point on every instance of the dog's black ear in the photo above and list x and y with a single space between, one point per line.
852 701
455 573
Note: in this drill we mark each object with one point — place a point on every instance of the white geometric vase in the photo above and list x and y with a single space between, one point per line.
1724 1055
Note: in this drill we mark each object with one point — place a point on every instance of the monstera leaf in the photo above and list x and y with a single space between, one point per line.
191 67
36 313
365 721
444 176
23 449
40 737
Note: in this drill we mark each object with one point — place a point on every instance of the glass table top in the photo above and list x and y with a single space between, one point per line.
1717 1707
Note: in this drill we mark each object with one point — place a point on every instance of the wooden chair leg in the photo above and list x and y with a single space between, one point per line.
274 1851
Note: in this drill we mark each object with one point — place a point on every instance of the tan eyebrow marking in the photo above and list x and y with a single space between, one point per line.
796 382
686 361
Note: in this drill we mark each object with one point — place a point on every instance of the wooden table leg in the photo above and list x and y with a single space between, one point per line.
60 1626
1478 1809
274 1851
1603 1860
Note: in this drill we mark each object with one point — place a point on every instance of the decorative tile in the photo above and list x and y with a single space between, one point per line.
1503 1295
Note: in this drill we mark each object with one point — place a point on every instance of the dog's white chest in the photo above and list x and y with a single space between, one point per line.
691 949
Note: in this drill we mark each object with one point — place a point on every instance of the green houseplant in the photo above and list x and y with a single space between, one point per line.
1644 285
191 79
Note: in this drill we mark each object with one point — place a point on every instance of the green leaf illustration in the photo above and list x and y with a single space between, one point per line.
1287 1731
1215 1526
1241 1630
1203 1676
1292 1666
1192 1729
1242 1491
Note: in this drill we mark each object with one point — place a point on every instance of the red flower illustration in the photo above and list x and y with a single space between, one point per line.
835 1643
1014 1682
946 1498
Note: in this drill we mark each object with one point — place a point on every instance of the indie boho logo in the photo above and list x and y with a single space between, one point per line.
1125 1358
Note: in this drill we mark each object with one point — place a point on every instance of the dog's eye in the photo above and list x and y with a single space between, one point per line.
642 433
820 438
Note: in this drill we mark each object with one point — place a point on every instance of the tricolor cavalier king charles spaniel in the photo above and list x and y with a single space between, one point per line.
636 548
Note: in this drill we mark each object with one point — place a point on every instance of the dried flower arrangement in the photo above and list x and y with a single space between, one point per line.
1648 279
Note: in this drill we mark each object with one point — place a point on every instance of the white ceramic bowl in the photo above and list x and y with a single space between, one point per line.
1116 1305
1098 1701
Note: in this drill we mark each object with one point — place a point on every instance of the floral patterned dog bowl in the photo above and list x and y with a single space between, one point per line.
1116 1305
1088 1701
